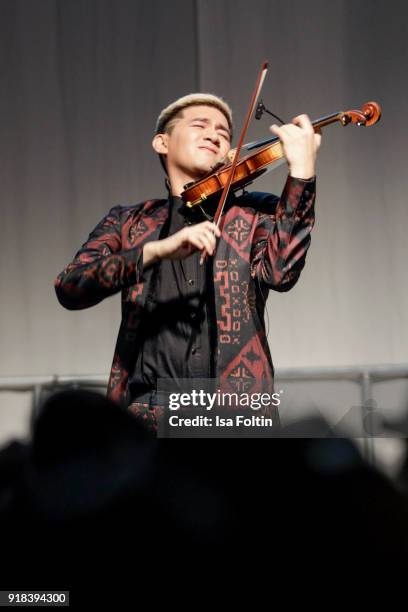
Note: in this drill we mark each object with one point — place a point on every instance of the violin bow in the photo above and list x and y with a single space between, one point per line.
255 95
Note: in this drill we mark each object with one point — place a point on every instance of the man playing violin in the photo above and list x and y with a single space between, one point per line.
194 293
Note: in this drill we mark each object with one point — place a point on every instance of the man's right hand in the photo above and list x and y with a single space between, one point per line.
199 237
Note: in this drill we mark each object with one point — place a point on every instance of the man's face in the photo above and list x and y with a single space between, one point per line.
198 141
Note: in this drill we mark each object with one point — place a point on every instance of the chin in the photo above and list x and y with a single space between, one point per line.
202 170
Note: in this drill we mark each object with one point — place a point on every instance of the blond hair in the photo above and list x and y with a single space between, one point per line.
165 121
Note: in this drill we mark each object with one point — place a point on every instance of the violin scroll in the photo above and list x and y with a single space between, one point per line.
369 114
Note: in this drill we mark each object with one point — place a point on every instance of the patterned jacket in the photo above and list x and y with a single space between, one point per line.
263 246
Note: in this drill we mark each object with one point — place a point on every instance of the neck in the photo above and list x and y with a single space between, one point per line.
178 179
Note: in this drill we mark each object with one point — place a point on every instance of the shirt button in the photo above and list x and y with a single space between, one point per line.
193 350
191 282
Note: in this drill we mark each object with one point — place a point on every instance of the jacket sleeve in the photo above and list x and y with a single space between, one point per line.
282 237
100 268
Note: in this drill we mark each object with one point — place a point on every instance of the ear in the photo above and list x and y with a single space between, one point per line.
159 143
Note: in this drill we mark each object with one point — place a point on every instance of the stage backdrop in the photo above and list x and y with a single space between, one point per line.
82 83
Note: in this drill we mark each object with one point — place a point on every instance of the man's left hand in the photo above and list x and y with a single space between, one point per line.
300 144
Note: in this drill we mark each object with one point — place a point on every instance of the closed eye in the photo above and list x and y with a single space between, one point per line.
224 135
223 132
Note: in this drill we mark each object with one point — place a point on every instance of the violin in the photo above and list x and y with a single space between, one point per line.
238 174
256 164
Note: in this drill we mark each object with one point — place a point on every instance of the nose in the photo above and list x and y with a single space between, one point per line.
212 134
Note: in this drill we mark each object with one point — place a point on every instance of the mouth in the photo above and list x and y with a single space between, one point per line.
209 149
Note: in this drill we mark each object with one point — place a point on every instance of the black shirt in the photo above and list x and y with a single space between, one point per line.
176 340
